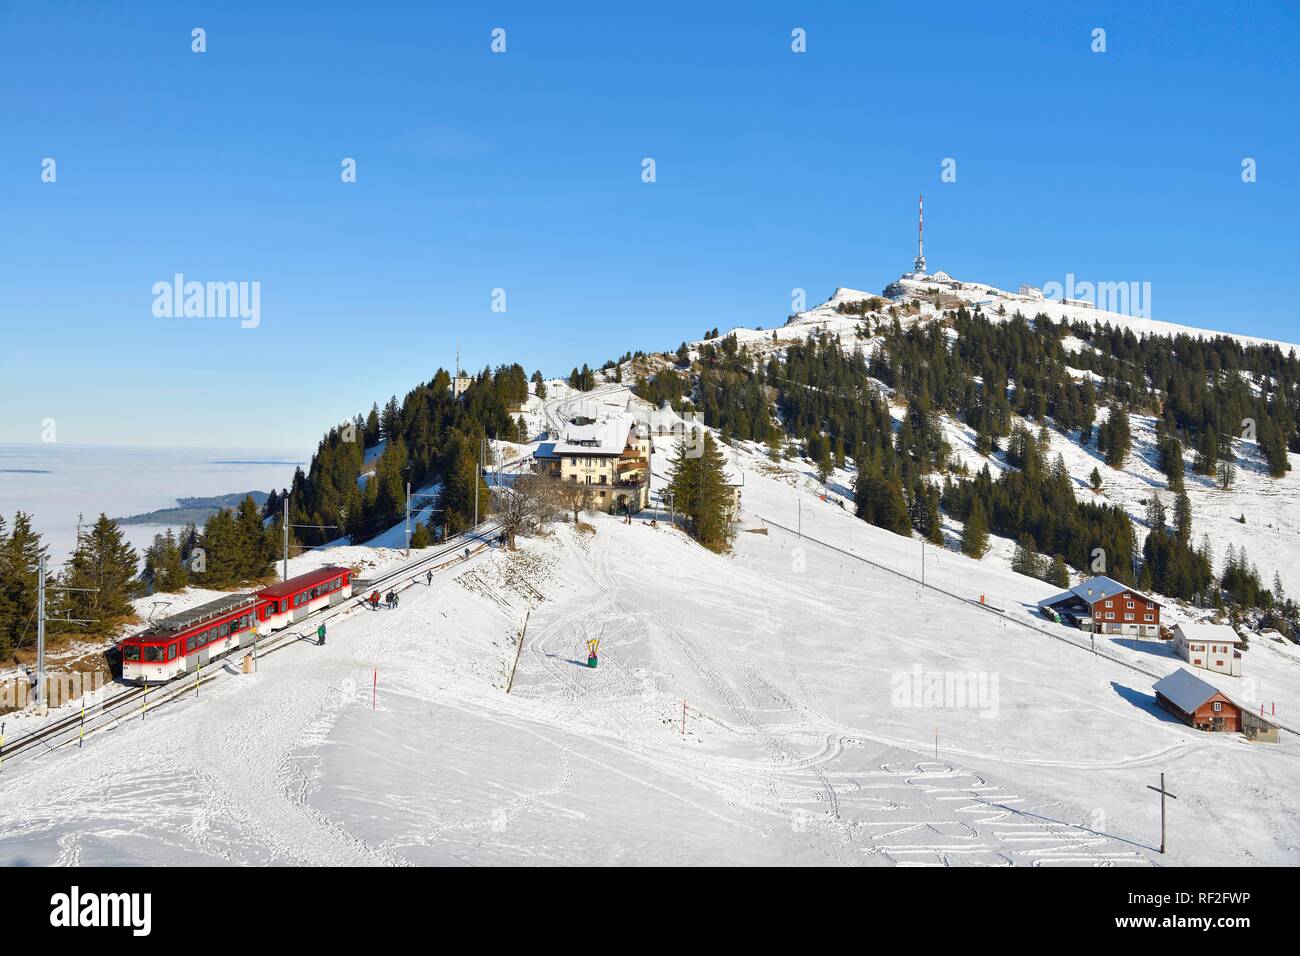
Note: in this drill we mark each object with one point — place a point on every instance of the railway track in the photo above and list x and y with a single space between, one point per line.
135 703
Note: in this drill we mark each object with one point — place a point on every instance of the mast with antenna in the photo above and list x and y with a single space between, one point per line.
919 262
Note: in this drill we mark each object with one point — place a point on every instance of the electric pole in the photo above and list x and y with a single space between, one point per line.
408 519
42 701
284 576
40 640
1163 793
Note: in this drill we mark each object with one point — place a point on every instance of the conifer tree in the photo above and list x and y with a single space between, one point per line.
104 565
700 493
975 536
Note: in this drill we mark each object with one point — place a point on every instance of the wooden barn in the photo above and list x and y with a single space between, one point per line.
1205 707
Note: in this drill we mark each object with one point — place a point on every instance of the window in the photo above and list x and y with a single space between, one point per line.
1150 617
171 652
1218 706
1110 615
1110 603
1130 605
153 653
1218 663
1197 662
1127 616
191 643
131 652
223 631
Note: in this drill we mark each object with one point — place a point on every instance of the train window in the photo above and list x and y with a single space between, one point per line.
224 630
152 653
191 643
171 652
131 652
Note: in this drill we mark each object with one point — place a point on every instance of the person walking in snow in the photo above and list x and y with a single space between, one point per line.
374 600
320 634
396 599
428 578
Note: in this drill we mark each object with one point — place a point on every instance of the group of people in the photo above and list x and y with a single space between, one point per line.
390 600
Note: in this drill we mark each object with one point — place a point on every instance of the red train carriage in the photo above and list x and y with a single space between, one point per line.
292 600
187 640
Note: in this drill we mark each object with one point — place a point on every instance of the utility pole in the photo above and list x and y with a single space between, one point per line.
42 701
40 640
478 477
1163 793
408 519
284 576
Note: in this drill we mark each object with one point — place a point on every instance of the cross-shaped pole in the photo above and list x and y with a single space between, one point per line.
1163 793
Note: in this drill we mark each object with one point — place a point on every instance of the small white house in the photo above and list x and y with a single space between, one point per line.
1211 646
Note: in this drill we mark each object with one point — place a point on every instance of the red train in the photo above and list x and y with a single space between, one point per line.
185 641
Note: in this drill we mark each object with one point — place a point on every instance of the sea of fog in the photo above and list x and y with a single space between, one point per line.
55 483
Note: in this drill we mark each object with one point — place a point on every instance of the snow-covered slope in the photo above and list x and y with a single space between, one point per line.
808 734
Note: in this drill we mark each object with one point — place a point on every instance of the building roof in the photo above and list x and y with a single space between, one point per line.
1100 587
1211 633
1185 690
183 620
310 579
609 436
1056 599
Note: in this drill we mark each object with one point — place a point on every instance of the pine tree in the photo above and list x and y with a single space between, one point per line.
1058 574
421 537
1025 560
975 536
1095 480
701 495
164 567
461 484
1183 518
20 553
104 564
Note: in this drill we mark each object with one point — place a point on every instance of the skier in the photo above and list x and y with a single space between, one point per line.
320 634
428 578
374 600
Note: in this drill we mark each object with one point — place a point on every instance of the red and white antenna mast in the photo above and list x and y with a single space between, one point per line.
919 262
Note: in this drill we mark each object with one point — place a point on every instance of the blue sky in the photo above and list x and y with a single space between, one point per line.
522 171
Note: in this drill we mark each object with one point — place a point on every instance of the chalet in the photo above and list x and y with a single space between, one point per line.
611 455
1104 606
1211 646
1205 707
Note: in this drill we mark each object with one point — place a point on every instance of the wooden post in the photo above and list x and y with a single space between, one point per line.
1163 793
683 718
518 650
